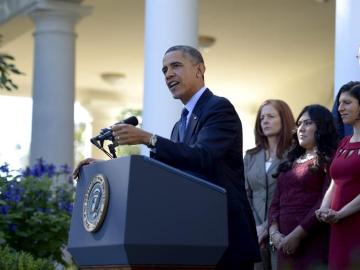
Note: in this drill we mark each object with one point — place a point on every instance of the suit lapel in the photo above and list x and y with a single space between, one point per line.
261 159
196 114
273 165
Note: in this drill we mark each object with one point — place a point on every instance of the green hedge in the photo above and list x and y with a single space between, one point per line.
13 260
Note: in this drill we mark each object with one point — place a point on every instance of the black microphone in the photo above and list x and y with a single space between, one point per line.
106 133
132 120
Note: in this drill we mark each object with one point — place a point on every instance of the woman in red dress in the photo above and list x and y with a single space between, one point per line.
341 204
301 240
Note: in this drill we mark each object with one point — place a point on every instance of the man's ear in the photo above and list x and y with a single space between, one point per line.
200 70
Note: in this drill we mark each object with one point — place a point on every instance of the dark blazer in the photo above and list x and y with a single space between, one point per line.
212 150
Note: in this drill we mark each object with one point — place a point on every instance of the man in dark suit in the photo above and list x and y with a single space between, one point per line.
207 142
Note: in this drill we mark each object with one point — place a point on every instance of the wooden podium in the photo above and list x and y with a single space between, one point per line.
157 217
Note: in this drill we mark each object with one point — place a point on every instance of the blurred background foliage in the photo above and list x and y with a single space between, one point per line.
7 69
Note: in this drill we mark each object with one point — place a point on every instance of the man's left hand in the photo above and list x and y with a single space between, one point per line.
130 135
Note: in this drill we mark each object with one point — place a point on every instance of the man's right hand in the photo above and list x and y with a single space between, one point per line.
82 163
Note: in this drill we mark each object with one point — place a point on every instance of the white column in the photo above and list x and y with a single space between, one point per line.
167 23
347 42
52 135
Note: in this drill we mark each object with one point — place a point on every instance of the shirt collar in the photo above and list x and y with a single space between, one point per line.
194 99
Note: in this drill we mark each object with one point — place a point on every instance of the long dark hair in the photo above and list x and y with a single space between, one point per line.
326 140
285 134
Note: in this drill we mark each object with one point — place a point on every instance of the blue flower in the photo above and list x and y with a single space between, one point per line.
43 210
13 192
65 169
40 169
4 209
26 172
70 208
51 170
66 206
5 168
13 227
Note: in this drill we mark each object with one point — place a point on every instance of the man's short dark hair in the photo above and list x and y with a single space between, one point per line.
190 51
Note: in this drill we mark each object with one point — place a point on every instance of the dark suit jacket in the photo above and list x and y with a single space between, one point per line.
212 150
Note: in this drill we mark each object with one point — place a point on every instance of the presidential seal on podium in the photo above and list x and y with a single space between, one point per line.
95 203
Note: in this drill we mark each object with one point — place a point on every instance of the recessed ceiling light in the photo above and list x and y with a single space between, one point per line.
113 78
205 42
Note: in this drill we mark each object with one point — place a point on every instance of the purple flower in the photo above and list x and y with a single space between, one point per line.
5 168
65 169
40 169
13 192
66 206
4 209
26 172
70 208
12 227
51 170
43 210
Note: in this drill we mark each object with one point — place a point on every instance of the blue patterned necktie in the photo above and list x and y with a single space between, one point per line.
182 127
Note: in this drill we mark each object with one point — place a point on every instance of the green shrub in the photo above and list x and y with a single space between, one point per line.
13 260
35 210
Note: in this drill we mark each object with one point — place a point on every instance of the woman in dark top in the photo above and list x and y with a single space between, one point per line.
301 240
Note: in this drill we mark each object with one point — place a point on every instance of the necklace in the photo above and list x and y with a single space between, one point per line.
305 157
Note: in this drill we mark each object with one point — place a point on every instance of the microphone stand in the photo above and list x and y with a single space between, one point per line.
106 134
112 150
100 146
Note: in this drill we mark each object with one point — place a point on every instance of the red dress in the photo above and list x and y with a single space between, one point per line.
298 194
345 234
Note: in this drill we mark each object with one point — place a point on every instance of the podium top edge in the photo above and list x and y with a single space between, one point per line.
188 175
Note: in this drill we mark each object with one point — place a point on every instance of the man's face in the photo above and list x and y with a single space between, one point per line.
181 75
